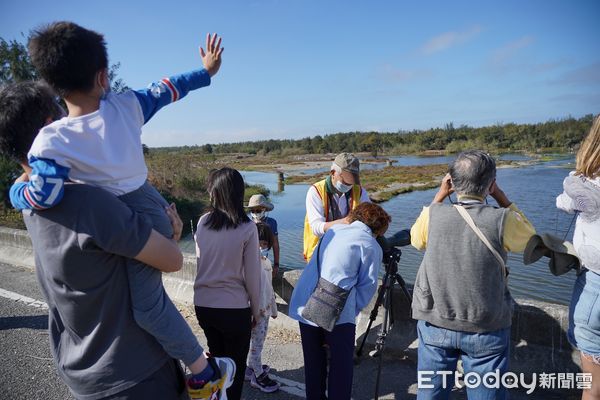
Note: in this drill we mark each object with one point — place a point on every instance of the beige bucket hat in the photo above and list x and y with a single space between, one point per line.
259 200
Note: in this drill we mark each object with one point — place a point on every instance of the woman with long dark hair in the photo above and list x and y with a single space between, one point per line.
227 285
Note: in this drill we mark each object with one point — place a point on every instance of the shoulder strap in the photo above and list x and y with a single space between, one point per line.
467 217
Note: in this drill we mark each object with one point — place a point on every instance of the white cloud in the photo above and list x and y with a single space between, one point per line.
505 53
590 99
388 73
585 75
449 39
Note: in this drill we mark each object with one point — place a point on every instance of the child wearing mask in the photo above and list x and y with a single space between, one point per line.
259 208
256 372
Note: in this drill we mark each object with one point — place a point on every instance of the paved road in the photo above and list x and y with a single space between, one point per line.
27 370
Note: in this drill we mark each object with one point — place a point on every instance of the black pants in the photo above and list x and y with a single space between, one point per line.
228 331
341 347
167 383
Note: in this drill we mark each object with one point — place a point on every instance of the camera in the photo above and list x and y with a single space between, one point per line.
399 239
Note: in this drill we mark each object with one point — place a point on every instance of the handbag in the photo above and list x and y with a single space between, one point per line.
326 302
467 217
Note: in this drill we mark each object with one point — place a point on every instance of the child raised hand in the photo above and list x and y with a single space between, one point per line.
212 57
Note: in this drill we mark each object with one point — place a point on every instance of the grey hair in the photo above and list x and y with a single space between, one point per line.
473 172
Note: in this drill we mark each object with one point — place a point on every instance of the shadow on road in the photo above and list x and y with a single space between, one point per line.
29 322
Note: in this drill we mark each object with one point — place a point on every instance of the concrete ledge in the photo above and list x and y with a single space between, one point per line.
538 338
15 247
539 341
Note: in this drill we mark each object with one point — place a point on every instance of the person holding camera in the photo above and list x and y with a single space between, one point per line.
461 298
349 259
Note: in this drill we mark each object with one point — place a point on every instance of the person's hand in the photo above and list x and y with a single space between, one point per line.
499 195
175 221
253 321
446 185
23 178
445 189
212 57
275 270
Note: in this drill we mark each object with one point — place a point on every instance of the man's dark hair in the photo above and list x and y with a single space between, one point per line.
68 56
24 109
265 233
473 172
226 190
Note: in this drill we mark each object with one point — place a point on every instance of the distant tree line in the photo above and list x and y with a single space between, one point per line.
554 135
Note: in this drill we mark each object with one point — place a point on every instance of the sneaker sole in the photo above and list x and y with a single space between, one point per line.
248 377
269 389
226 366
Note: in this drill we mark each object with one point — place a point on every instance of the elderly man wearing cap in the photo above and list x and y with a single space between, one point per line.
461 298
329 201
259 207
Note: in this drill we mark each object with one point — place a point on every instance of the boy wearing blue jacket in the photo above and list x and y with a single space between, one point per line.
99 143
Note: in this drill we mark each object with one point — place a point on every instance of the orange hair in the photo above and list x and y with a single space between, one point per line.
373 216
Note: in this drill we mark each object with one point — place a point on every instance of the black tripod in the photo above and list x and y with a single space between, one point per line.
384 296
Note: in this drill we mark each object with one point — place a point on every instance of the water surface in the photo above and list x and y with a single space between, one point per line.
533 189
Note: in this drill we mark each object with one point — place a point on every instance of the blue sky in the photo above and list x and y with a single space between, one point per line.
300 68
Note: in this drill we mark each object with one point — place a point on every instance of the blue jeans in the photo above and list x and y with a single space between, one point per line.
481 353
584 314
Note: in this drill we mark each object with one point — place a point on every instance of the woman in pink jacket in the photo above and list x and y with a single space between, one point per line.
228 275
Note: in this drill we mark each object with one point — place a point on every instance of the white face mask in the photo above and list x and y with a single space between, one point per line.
258 216
264 253
342 188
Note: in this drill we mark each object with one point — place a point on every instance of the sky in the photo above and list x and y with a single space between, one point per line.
294 68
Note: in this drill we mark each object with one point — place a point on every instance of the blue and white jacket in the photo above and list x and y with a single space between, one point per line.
103 148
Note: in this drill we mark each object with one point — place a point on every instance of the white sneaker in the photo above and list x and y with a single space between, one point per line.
215 389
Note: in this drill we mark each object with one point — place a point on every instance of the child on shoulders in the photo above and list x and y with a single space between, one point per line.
99 143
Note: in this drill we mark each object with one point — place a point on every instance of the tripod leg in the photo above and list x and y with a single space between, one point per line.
373 316
383 333
405 291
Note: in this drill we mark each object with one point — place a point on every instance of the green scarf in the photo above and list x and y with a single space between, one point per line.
330 189
329 185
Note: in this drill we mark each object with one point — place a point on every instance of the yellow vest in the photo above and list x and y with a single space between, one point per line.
310 239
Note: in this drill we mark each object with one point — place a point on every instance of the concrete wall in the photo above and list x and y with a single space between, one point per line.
15 247
539 342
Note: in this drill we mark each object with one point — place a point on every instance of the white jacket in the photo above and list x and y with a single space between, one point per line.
582 195
267 295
